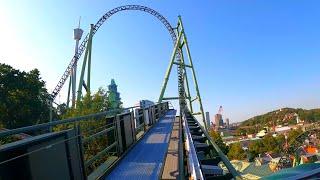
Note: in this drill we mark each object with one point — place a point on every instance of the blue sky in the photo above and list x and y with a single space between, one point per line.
250 56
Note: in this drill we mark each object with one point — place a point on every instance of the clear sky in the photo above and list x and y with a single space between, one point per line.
250 56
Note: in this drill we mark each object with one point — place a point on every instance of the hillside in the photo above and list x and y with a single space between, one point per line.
284 116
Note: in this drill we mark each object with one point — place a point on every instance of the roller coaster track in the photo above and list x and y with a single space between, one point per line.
106 16
204 154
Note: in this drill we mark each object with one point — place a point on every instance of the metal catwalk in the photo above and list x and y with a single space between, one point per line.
146 158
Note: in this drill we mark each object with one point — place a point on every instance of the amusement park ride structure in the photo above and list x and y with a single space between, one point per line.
181 49
198 154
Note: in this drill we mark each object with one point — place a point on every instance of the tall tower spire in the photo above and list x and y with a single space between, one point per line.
77 34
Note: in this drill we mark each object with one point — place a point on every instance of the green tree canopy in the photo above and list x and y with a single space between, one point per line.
236 152
89 104
23 98
283 117
269 143
293 134
255 148
218 140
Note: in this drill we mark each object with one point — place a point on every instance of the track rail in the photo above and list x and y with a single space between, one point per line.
106 16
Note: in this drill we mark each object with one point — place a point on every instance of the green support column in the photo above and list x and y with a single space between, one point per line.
194 76
188 95
79 92
50 113
69 90
85 59
183 82
166 78
187 83
89 63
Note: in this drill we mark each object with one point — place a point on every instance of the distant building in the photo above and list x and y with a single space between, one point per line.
266 158
308 158
221 122
311 149
227 123
251 135
208 119
249 170
113 96
282 130
218 120
297 118
145 103
308 154
261 133
256 172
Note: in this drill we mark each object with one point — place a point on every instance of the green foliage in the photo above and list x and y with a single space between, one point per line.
269 143
61 110
218 140
255 148
280 141
23 98
285 116
293 134
241 132
272 144
236 152
90 104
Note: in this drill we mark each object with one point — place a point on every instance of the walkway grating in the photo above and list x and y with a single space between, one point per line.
146 158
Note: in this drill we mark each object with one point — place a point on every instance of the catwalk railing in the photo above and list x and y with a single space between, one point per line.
97 139
204 157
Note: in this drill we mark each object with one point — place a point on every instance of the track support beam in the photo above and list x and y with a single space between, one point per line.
180 47
87 58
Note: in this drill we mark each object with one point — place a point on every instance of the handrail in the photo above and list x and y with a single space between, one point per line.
140 126
99 154
181 152
95 131
223 157
58 122
196 172
92 137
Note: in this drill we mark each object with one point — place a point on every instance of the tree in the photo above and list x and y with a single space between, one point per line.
269 143
255 148
280 139
236 152
90 104
241 132
293 134
61 110
23 98
218 140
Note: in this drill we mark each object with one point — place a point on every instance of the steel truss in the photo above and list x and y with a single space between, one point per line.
178 59
179 40
84 44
